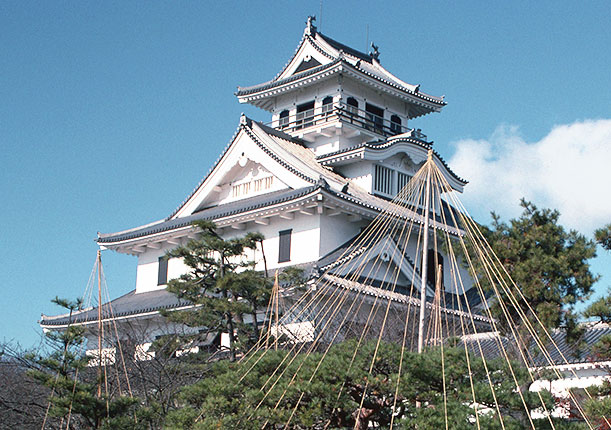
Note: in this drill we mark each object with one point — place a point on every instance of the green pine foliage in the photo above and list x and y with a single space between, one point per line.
549 266
221 284
600 309
239 396
603 236
599 406
73 387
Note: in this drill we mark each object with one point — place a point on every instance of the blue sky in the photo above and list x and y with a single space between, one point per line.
111 112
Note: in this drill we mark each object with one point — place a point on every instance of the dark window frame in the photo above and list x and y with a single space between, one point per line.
434 259
283 118
284 245
395 124
162 271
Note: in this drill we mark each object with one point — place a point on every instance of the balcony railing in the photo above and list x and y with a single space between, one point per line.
304 119
350 114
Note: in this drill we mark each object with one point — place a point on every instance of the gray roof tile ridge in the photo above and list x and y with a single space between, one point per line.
243 91
392 295
107 308
245 125
303 38
341 151
302 155
280 196
219 158
275 157
129 230
388 77
392 140
278 133
424 96
345 48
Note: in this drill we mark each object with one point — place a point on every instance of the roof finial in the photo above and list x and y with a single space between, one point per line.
375 54
243 119
310 27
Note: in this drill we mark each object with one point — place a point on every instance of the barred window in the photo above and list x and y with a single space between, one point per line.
402 180
383 180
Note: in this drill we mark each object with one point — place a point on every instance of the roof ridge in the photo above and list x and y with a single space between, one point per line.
265 85
281 196
345 48
197 187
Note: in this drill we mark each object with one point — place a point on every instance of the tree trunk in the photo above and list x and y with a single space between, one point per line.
264 259
362 418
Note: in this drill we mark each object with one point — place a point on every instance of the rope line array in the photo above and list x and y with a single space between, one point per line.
371 291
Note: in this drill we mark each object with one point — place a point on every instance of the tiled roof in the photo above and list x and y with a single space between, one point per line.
127 305
354 247
211 213
284 147
383 144
244 91
345 48
287 151
366 69
394 296
562 353
359 62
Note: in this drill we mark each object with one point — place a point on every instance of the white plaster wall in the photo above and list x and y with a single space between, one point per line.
305 239
305 248
360 172
335 231
249 172
578 378
147 271
317 93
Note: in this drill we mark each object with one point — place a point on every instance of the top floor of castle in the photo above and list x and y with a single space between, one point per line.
334 97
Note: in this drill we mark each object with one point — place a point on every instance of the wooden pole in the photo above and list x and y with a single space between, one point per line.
275 292
425 247
100 334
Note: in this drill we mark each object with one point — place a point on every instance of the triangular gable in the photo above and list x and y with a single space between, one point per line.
308 55
381 261
244 156
307 64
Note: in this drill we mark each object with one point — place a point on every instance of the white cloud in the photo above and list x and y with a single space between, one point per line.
569 170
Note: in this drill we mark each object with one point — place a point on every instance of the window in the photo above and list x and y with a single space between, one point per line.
162 274
434 260
284 119
375 118
402 180
395 124
254 186
305 115
352 108
382 180
327 105
284 250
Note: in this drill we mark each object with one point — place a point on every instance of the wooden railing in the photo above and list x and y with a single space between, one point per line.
350 114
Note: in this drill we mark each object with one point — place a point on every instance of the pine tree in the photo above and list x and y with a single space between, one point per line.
231 397
549 266
600 406
221 285
65 371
